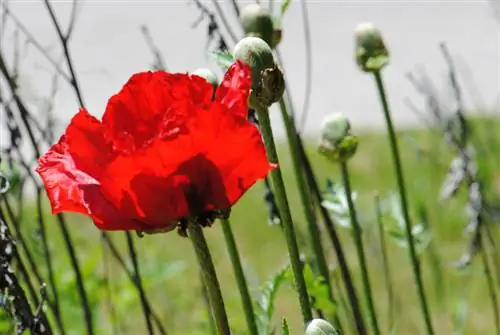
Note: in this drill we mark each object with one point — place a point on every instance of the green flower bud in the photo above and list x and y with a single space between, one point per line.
337 142
371 53
257 22
268 82
208 75
320 327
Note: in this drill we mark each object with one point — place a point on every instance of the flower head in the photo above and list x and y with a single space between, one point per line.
337 142
268 83
257 21
163 152
320 327
371 52
208 75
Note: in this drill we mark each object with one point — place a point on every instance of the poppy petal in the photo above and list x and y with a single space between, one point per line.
87 144
152 104
72 190
234 91
148 184
239 169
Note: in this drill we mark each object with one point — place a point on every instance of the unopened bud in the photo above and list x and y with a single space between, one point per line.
371 53
320 327
208 75
268 83
258 22
337 142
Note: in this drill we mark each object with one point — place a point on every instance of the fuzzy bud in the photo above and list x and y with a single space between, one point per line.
371 53
337 142
268 83
257 22
320 327
209 76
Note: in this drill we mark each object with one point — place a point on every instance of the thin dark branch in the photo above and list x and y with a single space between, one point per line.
64 43
236 9
9 284
33 41
48 259
138 282
72 20
109 291
159 63
75 264
23 111
224 21
116 254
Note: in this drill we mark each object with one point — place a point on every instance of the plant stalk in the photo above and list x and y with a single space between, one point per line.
404 204
209 277
358 241
246 300
312 224
286 216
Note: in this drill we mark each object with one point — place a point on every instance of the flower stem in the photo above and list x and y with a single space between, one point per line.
209 277
286 216
489 279
211 323
404 204
337 245
385 266
306 203
246 300
358 241
138 282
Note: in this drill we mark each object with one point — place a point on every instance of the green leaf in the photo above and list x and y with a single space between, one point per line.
318 290
223 59
336 203
283 9
397 230
267 298
285 330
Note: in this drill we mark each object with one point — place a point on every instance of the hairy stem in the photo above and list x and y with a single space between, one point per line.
358 241
286 216
209 277
246 300
312 224
404 204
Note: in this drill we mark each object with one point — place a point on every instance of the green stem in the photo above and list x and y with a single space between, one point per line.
337 245
385 266
240 277
314 233
209 277
489 279
404 204
211 322
286 216
358 241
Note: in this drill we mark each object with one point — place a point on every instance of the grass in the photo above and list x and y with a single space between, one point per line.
171 278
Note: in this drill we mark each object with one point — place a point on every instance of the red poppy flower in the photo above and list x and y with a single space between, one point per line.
164 151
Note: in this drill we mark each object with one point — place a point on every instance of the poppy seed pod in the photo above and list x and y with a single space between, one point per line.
208 75
268 83
337 142
257 22
320 327
371 53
